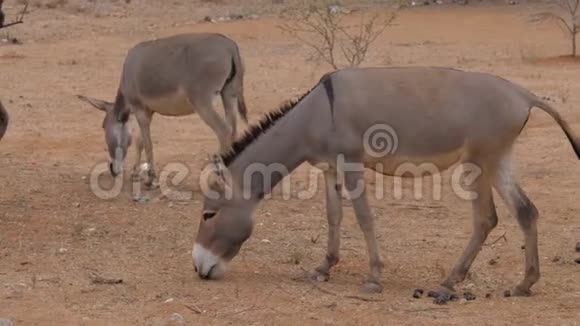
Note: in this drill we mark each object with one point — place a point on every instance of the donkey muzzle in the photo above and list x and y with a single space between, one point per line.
115 168
207 265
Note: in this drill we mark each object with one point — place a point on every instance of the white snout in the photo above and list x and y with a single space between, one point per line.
207 265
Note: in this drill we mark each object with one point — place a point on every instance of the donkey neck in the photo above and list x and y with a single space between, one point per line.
273 155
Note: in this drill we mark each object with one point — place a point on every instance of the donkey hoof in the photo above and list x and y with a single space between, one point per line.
317 276
151 184
135 177
442 291
521 292
371 287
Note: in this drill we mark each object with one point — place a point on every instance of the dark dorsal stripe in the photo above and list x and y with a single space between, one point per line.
267 121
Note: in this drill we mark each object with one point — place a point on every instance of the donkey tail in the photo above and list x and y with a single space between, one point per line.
238 73
4 119
574 140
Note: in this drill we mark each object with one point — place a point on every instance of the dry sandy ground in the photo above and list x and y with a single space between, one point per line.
55 232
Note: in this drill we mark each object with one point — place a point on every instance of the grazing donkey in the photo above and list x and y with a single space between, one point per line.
4 119
437 115
174 76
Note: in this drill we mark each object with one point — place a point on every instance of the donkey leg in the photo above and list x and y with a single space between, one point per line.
230 102
366 222
135 175
334 216
206 111
526 213
144 117
484 221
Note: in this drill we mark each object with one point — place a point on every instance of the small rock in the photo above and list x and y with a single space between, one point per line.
523 247
168 300
265 241
417 293
5 322
492 261
141 200
556 259
577 246
332 305
577 260
62 250
488 295
177 319
468 296
507 293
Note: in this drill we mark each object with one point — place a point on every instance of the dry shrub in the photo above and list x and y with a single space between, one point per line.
320 25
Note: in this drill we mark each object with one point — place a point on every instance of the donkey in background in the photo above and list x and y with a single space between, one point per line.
174 76
4 120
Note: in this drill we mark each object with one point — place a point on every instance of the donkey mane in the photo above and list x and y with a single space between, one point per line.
256 130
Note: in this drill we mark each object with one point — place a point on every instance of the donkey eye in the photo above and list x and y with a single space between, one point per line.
208 215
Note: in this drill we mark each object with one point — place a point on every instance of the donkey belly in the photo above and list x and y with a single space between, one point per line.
415 165
172 104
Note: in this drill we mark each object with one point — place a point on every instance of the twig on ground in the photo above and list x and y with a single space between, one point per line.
355 297
425 309
497 240
233 313
194 308
96 279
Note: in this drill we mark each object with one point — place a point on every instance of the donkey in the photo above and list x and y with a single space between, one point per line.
174 76
438 115
4 119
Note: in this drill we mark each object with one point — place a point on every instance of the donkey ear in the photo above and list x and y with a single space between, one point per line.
215 180
96 103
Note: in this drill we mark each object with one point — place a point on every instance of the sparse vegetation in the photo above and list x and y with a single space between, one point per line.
20 19
566 14
321 26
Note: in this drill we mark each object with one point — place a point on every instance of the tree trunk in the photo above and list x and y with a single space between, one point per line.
574 44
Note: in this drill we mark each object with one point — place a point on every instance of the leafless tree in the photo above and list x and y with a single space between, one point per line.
320 25
566 14
20 19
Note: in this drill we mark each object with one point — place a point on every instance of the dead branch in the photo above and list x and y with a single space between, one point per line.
425 309
194 308
233 313
355 297
566 14
96 279
20 19
497 240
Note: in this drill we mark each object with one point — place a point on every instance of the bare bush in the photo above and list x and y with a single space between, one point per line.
320 25
20 19
566 14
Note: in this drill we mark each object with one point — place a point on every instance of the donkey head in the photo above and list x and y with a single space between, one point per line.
225 225
117 134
